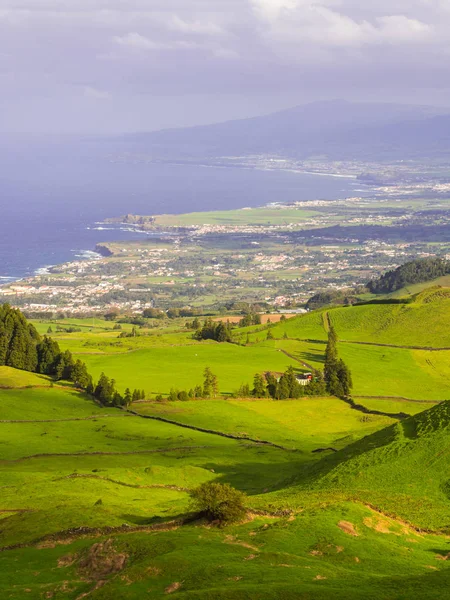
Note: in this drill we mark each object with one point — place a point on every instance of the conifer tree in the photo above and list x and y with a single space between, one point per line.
259 386
127 397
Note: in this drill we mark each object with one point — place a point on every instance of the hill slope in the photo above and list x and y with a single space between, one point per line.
337 129
402 469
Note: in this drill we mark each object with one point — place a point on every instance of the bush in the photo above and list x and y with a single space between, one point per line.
219 502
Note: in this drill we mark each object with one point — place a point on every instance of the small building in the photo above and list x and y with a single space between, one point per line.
304 378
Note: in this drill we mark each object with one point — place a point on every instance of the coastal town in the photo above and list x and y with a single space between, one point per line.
277 256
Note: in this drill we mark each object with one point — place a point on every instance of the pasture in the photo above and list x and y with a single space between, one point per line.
158 369
341 504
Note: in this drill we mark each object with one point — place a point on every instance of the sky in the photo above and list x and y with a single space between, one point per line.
107 66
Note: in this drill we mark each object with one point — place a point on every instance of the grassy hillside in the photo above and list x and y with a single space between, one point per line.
12 378
294 424
123 475
420 323
342 503
402 470
417 324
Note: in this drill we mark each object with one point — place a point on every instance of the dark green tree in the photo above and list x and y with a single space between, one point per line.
259 386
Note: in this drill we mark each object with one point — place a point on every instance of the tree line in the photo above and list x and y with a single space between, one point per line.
209 389
21 347
337 375
415 271
282 387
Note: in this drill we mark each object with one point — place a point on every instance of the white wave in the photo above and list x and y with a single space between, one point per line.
43 270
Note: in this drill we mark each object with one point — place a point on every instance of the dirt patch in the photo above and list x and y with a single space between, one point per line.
250 557
173 587
230 539
319 577
67 561
339 549
316 553
385 524
443 556
101 561
348 528
380 525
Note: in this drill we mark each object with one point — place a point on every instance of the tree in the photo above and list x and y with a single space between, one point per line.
345 377
210 384
269 335
80 376
47 352
219 502
64 366
243 391
127 397
173 395
153 313
289 383
111 315
337 375
49 330
272 385
259 386
220 331
105 391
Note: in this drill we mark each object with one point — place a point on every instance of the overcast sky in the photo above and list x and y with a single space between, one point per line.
131 65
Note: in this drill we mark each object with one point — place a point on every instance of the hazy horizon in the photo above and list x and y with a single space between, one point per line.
103 66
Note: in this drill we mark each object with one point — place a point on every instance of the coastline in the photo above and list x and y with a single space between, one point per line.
46 252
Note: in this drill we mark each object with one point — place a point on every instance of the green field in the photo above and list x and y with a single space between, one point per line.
157 369
108 469
246 216
342 503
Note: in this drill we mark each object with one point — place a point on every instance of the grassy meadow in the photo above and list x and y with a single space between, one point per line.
122 476
341 503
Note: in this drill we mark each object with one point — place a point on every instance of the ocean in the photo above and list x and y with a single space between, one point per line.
51 207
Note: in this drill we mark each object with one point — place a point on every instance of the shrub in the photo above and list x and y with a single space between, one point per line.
219 502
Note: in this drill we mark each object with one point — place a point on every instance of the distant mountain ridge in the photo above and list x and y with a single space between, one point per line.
332 129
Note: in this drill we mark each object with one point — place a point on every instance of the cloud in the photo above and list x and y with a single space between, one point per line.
247 48
194 27
96 94
136 40
226 53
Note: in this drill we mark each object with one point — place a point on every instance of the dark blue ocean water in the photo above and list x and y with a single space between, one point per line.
50 204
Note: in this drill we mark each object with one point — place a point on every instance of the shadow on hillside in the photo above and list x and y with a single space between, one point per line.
312 357
257 478
146 521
